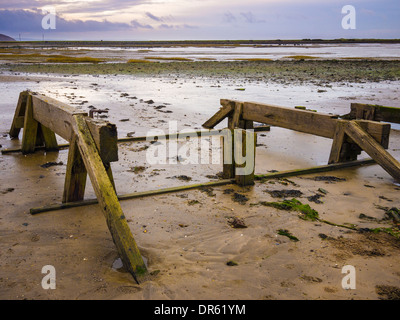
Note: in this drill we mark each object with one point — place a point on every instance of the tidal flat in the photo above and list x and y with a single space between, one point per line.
192 248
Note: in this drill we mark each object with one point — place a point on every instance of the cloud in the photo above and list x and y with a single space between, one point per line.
153 17
31 21
249 17
188 26
137 25
166 26
229 17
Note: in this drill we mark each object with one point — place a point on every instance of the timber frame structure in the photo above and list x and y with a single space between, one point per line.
359 130
93 146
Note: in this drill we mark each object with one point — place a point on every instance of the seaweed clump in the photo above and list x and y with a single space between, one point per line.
305 211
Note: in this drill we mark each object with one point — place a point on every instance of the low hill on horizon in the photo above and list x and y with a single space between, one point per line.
3 37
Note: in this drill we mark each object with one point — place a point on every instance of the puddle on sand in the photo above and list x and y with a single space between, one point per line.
118 266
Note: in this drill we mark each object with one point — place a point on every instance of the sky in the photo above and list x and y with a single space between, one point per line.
197 19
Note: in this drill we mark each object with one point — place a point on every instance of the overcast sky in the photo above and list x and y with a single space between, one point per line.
198 19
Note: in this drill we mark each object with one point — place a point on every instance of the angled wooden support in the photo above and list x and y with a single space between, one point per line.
75 176
18 120
375 150
30 129
345 149
226 109
108 199
48 138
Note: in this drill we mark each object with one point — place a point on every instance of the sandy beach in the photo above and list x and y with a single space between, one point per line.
187 238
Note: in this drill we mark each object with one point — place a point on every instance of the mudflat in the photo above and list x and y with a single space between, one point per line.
225 242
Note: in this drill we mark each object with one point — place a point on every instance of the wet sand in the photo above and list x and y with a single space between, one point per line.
186 236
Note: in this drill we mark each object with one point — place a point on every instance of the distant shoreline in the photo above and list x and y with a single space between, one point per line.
68 43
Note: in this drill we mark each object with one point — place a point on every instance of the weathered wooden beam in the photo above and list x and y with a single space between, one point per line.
315 123
144 138
75 176
222 113
55 115
299 120
374 112
316 169
275 175
373 148
108 200
30 129
18 120
131 196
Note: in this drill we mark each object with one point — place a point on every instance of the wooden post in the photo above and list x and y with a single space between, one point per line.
30 129
76 175
245 153
227 143
108 199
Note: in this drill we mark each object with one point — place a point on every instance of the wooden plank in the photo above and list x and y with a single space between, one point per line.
245 152
75 176
299 120
374 112
315 123
373 148
30 129
55 115
108 199
18 120
222 113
